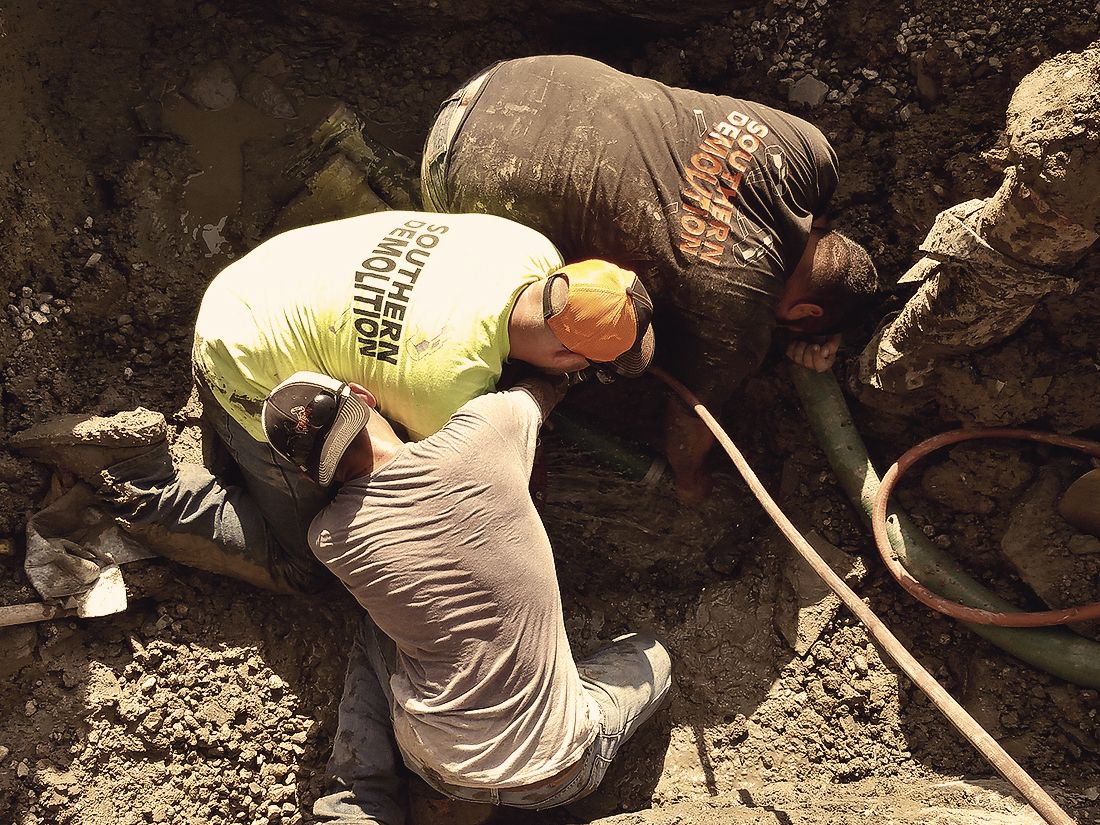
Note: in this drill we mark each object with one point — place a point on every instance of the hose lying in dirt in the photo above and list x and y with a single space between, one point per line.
619 456
1046 807
1057 651
1000 618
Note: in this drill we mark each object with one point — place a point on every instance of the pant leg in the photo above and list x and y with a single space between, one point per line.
286 498
362 771
188 515
256 533
628 681
448 121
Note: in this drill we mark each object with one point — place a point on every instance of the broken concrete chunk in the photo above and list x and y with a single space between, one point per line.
1041 548
267 96
212 86
274 65
809 90
1084 545
338 190
806 606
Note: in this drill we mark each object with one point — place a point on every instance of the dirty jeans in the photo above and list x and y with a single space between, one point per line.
257 533
628 681
448 120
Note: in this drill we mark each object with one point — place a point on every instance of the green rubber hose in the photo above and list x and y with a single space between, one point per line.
1057 651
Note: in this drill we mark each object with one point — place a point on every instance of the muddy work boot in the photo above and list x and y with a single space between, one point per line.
87 445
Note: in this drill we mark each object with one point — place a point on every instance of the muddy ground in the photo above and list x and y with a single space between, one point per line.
210 702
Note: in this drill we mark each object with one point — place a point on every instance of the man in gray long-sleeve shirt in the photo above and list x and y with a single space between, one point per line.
465 646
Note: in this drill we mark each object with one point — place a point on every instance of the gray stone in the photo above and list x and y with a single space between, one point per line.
806 605
267 96
808 90
212 86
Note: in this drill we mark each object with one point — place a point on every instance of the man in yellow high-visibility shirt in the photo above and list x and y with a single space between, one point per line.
422 309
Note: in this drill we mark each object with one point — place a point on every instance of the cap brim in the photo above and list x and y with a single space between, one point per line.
637 359
350 420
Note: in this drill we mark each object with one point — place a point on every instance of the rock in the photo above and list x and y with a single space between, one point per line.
808 90
212 87
267 96
274 65
807 605
1037 543
16 648
1084 545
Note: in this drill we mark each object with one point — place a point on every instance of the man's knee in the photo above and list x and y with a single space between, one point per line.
629 680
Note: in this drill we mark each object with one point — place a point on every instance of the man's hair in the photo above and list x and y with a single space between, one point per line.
842 280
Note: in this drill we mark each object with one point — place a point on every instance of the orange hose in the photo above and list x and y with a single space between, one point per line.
1040 618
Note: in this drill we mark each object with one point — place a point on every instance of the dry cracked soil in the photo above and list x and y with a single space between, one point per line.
142 148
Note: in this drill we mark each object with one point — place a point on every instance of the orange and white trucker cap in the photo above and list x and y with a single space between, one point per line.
606 315
310 419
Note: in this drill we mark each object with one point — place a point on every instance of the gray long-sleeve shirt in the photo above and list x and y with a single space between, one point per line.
444 548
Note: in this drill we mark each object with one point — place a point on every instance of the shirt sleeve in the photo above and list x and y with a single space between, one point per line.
515 416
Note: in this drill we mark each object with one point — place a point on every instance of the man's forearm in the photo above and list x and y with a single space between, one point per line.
547 393
687 442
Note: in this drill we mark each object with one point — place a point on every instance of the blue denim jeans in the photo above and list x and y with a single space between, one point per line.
628 680
255 532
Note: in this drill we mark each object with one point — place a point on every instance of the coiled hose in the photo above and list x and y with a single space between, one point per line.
955 713
1057 651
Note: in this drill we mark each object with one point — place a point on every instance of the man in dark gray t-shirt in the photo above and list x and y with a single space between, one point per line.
717 203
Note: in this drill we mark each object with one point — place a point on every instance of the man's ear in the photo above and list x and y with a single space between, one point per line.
365 395
802 310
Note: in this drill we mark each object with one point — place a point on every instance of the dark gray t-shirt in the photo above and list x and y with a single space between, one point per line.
708 198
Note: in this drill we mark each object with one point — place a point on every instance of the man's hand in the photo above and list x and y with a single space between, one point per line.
817 354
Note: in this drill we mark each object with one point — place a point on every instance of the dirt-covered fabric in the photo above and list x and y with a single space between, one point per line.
709 198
